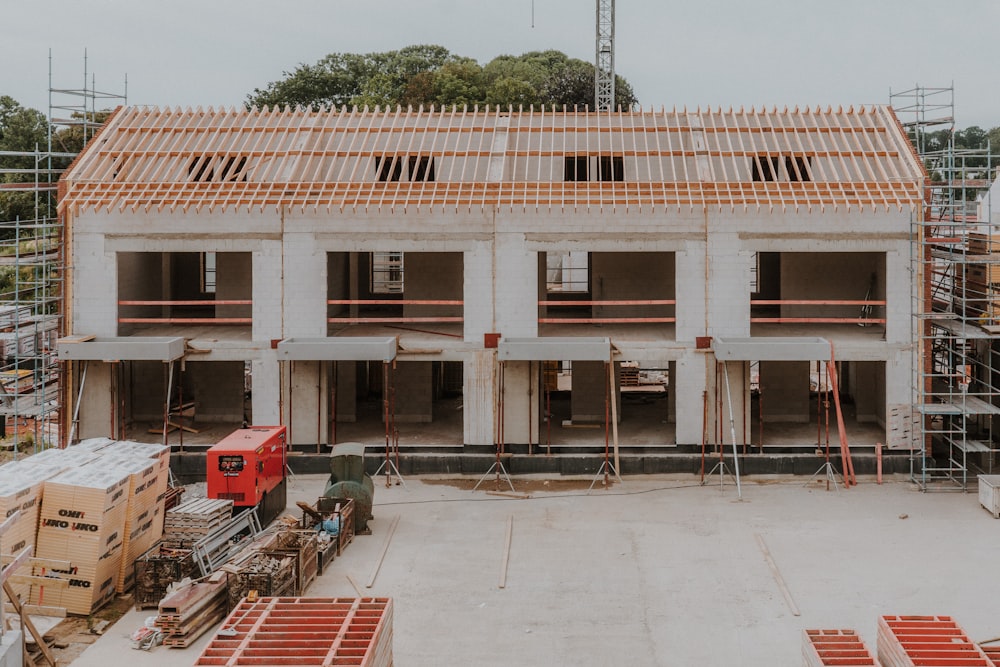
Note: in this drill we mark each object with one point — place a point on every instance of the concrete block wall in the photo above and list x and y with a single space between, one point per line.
728 286
492 262
785 388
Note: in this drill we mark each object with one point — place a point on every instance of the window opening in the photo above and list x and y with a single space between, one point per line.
610 168
208 272
764 167
388 168
576 168
387 272
421 168
567 272
202 168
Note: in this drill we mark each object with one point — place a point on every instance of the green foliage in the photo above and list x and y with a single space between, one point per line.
431 75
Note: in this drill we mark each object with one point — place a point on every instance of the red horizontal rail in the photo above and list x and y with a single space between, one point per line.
604 320
378 320
812 302
189 302
393 302
818 320
624 302
185 320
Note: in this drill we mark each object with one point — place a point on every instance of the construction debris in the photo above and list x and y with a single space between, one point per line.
155 570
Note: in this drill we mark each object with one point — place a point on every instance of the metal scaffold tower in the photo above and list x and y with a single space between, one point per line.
32 262
956 328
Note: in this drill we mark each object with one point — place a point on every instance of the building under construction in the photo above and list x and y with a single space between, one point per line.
474 277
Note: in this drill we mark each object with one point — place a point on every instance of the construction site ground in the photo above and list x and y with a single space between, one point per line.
658 570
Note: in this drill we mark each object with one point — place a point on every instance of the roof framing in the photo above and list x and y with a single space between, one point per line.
170 159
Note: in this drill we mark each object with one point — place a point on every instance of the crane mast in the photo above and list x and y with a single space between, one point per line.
604 58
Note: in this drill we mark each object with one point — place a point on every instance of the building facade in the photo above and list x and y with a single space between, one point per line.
467 277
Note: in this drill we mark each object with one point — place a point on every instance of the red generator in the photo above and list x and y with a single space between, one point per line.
248 467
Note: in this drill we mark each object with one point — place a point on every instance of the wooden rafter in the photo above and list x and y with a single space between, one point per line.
218 160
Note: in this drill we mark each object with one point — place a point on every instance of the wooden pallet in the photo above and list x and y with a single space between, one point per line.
826 648
909 641
355 632
196 518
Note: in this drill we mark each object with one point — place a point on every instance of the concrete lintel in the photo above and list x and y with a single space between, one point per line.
344 348
138 348
792 348
554 349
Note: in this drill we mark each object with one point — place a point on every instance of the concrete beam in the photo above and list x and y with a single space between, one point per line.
554 349
772 349
146 348
347 348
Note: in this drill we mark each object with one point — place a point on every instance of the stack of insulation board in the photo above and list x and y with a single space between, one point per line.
144 515
21 490
326 631
825 648
82 521
906 641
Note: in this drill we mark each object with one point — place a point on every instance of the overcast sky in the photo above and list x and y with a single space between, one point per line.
674 53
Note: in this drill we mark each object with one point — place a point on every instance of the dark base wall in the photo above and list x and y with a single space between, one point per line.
190 466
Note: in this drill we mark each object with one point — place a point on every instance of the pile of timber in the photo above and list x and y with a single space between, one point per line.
271 575
303 547
196 518
173 497
825 648
158 568
906 641
356 632
194 607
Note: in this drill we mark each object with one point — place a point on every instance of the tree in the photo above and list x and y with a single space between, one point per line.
431 75
22 130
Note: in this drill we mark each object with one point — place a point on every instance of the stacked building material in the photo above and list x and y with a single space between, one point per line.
270 575
326 631
82 522
157 569
196 518
186 613
144 516
302 546
825 648
21 491
907 641
342 510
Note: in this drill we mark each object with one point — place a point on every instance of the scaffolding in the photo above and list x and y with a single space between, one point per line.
32 268
956 293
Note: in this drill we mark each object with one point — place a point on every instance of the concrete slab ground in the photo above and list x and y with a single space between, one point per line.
657 571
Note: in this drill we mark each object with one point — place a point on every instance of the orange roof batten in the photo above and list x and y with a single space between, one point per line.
397 160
